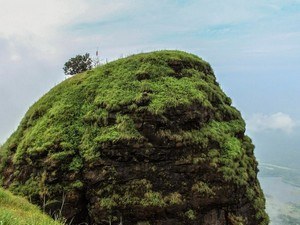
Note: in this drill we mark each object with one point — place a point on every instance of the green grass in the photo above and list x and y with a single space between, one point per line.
75 115
18 211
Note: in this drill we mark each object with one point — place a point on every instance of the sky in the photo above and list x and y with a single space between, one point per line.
253 47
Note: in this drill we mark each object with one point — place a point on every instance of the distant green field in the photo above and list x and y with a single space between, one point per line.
18 211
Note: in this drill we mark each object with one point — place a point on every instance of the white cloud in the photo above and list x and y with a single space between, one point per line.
277 121
41 18
34 17
44 26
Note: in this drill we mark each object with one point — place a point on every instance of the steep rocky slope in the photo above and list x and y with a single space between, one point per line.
149 139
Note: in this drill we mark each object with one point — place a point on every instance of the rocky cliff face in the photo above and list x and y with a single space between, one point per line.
149 139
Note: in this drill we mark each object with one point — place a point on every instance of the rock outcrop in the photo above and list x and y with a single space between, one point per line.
148 139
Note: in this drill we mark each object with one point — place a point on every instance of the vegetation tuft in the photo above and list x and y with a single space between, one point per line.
18 211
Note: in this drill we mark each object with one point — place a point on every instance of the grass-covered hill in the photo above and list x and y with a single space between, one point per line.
148 139
18 211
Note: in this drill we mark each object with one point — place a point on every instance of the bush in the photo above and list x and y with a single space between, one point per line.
78 64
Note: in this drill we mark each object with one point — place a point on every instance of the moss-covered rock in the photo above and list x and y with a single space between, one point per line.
148 139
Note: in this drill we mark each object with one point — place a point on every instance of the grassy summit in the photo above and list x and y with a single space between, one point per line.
64 120
151 137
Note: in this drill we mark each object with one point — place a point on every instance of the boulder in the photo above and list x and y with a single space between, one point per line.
150 139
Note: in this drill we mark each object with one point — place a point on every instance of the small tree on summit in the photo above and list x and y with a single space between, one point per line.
78 64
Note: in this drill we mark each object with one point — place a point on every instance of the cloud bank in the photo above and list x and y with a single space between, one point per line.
278 121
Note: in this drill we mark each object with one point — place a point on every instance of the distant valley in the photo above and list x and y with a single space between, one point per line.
281 186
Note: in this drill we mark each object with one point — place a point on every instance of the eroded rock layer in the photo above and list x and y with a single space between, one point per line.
150 140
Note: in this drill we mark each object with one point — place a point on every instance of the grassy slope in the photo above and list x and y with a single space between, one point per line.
18 211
